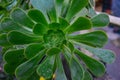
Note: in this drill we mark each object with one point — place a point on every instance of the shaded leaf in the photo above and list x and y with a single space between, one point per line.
8 24
96 38
12 64
18 38
60 74
77 72
3 40
75 7
34 76
26 69
45 69
100 20
33 49
96 68
19 16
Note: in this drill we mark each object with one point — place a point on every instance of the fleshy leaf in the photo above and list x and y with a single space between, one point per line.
76 69
33 49
26 69
96 68
34 76
100 20
8 24
81 23
53 51
63 23
87 76
96 38
40 29
45 69
105 55
54 26
12 64
46 7
37 16
60 74
19 16
18 38
59 6
75 7
3 40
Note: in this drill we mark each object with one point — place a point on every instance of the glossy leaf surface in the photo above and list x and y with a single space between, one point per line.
100 20
45 69
19 16
26 69
3 40
81 23
60 74
91 38
96 68
12 64
18 38
33 49
75 7
37 16
40 29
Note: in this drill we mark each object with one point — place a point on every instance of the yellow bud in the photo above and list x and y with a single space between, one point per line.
42 78
54 76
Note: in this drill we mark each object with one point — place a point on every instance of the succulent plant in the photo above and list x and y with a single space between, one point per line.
36 40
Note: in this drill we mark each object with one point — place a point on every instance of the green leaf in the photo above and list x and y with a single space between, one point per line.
46 7
105 55
33 49
34 76
70 46
26 69
37 16
45 69
53 51
8 24
81 23
87 76
3 40
59 6
96 68
77 72
16 54
10 68
19 38
76 69
100 20
54 26
96 38
75 7
92 3
19 16
63 23
12 64
40 29
60 74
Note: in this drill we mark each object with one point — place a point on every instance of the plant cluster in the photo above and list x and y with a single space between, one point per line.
34 41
